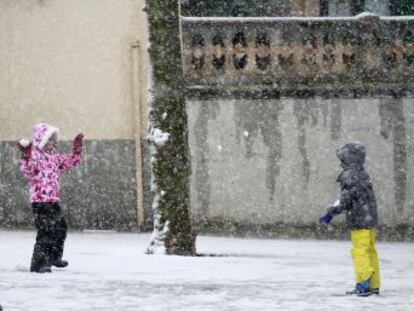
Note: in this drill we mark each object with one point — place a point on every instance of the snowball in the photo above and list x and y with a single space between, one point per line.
24 142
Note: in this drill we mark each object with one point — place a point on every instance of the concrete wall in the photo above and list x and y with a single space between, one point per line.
71 63
342 8
265 162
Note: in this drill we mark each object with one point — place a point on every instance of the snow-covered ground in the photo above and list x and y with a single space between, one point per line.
109 271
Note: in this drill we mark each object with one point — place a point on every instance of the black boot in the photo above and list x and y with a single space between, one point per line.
58 240
375 291
60 263
39 264
45 269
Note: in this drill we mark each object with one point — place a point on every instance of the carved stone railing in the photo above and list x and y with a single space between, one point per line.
298 52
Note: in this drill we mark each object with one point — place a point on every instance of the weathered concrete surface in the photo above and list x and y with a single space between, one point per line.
70 63
263 162
99 194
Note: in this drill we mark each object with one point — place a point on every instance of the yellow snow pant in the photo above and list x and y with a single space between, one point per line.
365 257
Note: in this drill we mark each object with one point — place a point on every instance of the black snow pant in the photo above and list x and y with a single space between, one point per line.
51 234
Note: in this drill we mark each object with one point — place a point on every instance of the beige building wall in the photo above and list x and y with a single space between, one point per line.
70 63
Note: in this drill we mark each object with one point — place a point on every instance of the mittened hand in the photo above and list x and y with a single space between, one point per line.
326 219
78 143
25 146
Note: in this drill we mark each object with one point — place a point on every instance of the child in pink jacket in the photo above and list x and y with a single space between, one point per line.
41 165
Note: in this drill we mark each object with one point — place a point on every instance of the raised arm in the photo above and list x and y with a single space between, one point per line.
68 161
28 166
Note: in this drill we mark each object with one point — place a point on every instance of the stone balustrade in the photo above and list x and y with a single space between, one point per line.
286 52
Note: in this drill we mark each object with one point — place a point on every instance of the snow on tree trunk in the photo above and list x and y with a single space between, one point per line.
168 137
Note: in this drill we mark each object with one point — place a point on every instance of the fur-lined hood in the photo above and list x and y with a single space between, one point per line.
42 133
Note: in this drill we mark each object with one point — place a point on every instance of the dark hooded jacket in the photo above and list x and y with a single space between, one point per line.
357 194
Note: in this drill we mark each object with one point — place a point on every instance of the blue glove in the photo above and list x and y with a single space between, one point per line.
326 218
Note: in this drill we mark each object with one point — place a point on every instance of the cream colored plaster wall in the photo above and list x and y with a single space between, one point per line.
69 62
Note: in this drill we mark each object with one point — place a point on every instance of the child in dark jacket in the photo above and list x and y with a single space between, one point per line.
358 202
41 165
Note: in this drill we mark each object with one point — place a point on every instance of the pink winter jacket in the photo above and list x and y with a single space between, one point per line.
42 169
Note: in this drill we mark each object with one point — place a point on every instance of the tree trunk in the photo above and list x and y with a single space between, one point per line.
173 232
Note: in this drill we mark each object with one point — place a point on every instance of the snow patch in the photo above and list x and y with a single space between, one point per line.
157 244
111 272
21 268
366 14
398 18
159 137
193 19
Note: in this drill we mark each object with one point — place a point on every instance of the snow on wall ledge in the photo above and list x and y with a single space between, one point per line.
258 162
